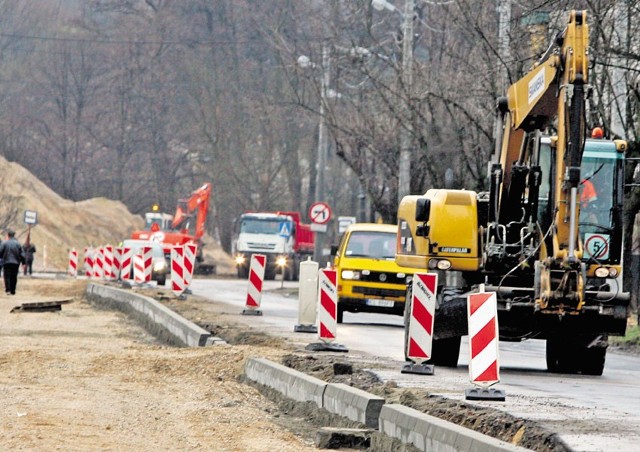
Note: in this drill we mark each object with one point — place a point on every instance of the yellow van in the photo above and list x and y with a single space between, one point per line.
369 280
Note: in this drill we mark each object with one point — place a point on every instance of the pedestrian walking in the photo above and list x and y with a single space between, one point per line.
11 254
28 250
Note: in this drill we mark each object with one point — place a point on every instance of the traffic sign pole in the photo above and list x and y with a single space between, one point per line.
319 214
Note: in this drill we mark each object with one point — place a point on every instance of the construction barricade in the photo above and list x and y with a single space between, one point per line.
88 262
98 258
484 367
327 312
142 265
421 319
107 262
254 289
178 285
307 298
126 256
73 263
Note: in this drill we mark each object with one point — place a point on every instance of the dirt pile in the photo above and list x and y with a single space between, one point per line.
64 224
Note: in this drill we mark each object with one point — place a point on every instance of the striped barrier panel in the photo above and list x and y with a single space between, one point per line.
98 263
177 270
256 278
327 305
482 310
107 262
73 263
88 262
423 308
190 250
126 255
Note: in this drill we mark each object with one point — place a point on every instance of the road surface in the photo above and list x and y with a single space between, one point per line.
590 413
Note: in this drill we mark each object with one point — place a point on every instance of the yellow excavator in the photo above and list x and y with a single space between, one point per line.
546 237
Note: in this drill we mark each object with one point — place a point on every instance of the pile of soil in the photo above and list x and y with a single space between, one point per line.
63 224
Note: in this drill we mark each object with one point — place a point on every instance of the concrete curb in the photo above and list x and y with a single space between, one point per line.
289 382
180 329
411 427
430 433
353 403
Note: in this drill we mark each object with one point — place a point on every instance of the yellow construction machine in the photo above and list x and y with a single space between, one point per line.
553 257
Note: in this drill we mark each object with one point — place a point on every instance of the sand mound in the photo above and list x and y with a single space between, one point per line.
64 224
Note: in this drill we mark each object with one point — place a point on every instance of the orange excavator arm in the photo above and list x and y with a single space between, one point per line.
197 204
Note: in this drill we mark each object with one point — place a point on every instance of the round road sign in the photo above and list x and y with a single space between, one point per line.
596 246
320 213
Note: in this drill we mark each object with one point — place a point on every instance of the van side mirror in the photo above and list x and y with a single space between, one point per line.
423 209
334 250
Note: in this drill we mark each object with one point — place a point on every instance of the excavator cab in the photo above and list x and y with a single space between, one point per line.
601 197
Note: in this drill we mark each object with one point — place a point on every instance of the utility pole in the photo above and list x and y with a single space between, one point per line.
406 130
504 53
619 72
321 161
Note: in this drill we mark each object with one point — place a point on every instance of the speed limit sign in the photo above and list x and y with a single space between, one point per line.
320 213
596 246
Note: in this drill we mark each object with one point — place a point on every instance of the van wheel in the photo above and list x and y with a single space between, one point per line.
339 314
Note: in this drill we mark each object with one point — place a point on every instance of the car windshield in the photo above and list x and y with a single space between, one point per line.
379 245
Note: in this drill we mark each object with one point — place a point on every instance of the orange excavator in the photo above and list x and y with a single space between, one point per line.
186 225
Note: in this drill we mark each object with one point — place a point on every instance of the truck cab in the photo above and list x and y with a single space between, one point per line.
369 280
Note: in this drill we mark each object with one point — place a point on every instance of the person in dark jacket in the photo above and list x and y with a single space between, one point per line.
28 250
11 254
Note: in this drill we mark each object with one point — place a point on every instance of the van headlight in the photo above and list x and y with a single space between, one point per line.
350 274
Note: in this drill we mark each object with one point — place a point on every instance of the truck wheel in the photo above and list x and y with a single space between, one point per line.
445 352
568 355
593 361
339 314
560 355
407 315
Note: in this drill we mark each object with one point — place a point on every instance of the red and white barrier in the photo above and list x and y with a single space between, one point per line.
73 263
327 305
256 277
423 308
482 310
178 285
147 262
88 262
126 255
98 263
190 250
107 262
138 268
117 261
183 259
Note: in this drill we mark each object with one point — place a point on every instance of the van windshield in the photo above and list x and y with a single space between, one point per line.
379 245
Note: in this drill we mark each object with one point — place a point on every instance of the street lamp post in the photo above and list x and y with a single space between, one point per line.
322 149
321 157
406 130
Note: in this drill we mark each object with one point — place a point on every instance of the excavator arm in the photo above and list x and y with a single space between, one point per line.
553 93
197 204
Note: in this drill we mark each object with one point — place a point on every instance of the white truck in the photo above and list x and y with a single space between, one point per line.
281 236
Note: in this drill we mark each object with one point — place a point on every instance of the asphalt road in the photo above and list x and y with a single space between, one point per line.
590 413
